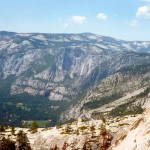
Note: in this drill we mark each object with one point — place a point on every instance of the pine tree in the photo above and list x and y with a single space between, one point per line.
7 144
92 129
22 141
2 128
34 127
12 130
105 137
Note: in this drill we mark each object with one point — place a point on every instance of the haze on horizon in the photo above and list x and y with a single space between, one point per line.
125 19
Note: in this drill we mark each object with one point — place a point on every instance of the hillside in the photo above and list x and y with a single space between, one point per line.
137 135
119 94
87 133
48 73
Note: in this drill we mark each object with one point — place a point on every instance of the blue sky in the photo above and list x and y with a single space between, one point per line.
123 19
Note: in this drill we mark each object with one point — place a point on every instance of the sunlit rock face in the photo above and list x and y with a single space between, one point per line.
138 135
42 63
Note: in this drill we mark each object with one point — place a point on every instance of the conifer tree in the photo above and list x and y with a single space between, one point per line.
92 129
12 130
7 144
105 136
34 126
22 141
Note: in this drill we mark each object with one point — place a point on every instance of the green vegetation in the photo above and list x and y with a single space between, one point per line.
39 65
125 109
92 129
22 141
58 126
7 144
5 85
68 130
16 108
105 137
128 108
12 130
123 124
2 128
139 69
33 108
40 123
143 94
102 101
33 127
82 128
96 115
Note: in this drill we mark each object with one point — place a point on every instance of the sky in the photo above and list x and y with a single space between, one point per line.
122 19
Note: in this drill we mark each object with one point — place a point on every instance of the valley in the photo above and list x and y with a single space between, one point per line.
60 77
73 91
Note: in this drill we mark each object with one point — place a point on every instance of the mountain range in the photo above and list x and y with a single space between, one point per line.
59 77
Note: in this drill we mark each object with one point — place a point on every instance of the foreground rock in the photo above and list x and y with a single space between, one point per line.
137 137
87 134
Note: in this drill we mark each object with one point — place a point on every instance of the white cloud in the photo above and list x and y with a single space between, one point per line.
134 23
143 11
79 20
66 25
102 16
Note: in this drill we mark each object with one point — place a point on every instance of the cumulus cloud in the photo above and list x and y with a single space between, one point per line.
143 11
66 25
79 20
102 16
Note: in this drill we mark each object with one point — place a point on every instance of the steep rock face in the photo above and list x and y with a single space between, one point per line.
63 60
128 86
58 69
138 135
